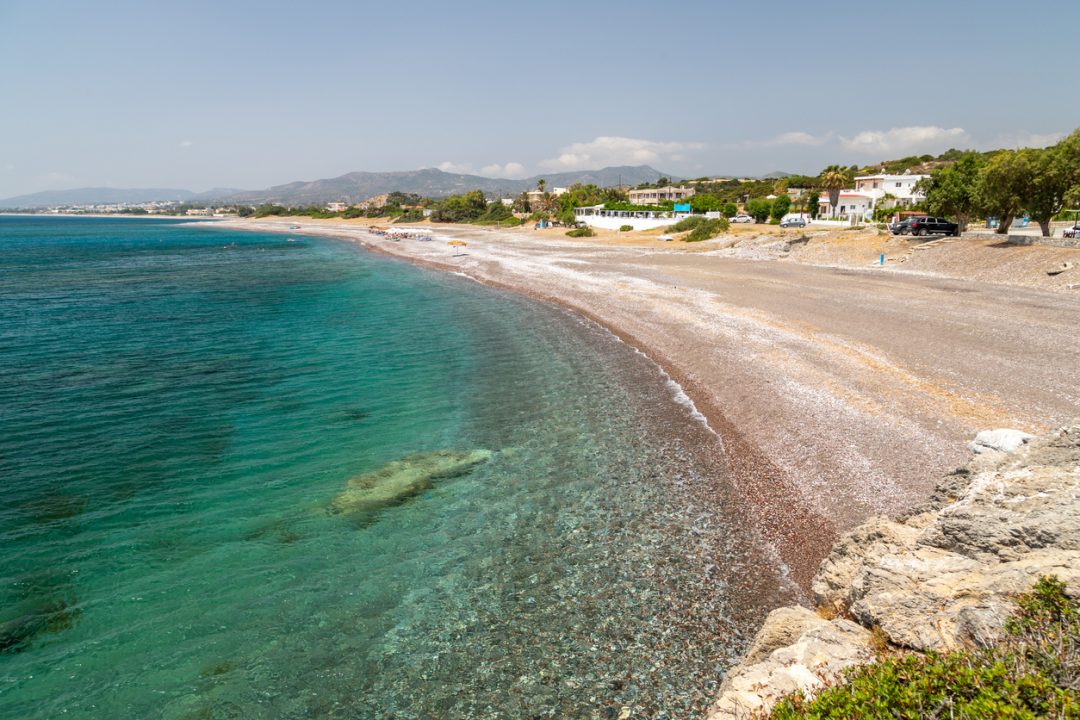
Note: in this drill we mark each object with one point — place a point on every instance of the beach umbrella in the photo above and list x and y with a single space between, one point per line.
457 243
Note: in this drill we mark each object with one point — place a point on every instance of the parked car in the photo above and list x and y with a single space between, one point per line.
901 228
926 226
793 221
1073 232
741 219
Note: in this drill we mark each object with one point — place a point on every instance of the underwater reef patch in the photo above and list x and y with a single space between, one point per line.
401 479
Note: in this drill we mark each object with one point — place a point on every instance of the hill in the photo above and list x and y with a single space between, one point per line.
351 187
95 196
430 182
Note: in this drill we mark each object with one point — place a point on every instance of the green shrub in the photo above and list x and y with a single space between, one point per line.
707 230
759 209
780 207
1033 672
699 228
626 228
581 232
687 223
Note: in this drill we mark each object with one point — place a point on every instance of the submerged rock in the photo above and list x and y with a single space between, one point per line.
401 479
37 616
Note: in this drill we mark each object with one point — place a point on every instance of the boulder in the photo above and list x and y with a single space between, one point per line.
865 544
817 656
1001 440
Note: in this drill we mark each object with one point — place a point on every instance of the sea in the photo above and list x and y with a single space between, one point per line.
538 525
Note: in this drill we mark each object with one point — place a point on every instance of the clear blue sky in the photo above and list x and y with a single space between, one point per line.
198 94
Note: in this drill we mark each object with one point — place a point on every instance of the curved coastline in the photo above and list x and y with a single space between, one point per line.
762 490
825 418
920 417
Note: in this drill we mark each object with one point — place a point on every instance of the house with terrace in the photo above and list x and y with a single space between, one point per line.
869 193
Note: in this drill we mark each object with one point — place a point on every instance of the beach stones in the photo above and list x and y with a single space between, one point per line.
398 480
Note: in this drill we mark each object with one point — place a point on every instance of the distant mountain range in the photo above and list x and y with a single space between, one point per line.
352 187
111 196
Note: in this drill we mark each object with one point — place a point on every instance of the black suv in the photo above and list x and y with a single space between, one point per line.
925 226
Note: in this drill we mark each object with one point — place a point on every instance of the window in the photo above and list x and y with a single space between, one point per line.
899 185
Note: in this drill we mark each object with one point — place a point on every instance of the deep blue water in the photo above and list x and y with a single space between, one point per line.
179 407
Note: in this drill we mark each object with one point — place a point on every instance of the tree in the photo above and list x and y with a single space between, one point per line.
953 190
759 209
1044 196
663 182
780 207
834 179
812 200
729 210
1070 155
541 184
461 208
705 203
1002 185
780 186
1055 176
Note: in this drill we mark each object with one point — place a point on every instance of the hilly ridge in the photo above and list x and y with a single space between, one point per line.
351 187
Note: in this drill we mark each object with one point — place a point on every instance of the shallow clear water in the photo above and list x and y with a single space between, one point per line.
182 404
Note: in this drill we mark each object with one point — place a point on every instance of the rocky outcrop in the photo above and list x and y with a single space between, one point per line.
942 577
795 649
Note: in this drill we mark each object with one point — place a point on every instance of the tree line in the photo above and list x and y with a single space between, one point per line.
1041 182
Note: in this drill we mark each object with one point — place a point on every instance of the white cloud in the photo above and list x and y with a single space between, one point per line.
905 140
788 138
509 170
605 151
798 138
453 167
1027 140
186 143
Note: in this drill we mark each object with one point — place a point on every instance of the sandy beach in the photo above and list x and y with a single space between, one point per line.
840 390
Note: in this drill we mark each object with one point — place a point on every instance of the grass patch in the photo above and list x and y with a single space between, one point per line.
626 228
1032 672
581 232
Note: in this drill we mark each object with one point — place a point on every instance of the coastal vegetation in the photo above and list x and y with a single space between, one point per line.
699 228
1042 182
1032 672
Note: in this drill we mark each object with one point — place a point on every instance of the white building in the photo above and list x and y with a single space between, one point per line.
599 217
337 207
869 192
655 196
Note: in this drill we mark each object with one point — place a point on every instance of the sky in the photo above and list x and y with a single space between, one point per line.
241 94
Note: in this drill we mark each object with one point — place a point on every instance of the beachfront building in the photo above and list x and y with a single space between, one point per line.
655 196
600 217
337 207
871 191
537 197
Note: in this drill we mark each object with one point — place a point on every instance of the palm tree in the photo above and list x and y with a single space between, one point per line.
540 184
834 179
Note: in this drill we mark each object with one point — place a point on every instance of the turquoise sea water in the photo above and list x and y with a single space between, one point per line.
180 405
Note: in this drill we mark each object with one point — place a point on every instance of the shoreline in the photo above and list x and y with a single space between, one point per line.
798 481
